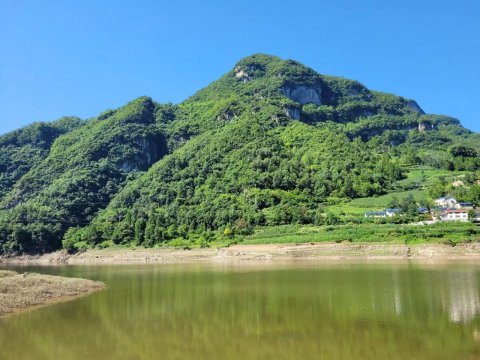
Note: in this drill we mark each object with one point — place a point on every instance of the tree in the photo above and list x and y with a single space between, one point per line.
472 215
437 189
409 206
394 203
462 151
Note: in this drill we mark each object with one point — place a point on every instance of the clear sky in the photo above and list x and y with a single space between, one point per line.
80 57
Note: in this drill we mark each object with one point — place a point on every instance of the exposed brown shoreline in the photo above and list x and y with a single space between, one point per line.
22 292
313 251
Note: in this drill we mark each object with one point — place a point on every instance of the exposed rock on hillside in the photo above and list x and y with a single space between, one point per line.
303 94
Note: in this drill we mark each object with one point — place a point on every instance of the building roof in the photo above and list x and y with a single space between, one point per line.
375 213
448 197
455 211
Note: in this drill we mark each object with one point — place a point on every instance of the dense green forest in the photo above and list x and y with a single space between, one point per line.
272 142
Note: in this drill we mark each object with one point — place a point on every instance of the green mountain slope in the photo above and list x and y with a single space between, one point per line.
22 149
271 142
81 173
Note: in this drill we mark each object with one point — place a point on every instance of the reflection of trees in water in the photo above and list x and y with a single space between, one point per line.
397 300
455 292
464 301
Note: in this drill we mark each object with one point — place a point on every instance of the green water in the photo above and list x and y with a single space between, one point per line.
295 311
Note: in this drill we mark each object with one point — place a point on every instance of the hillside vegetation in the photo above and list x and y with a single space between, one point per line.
272 142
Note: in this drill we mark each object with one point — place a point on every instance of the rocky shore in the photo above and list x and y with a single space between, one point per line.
270 252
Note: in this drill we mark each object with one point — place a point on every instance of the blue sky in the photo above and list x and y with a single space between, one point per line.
79 58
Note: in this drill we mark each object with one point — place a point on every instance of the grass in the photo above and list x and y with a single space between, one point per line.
449 233
381 202
348 209
424 176
420 177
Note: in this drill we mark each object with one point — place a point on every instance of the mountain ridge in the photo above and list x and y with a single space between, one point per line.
265 144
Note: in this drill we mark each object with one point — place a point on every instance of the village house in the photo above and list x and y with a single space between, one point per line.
396 212
466 205
375 214
392 212
454 215
446 202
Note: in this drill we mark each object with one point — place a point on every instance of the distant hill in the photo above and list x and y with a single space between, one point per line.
271 142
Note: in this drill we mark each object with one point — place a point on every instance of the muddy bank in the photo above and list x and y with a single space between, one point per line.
314 251
21 292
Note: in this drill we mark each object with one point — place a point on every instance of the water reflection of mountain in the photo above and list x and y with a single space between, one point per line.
333 312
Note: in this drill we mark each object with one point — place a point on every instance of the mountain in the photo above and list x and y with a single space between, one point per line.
271 142
23 149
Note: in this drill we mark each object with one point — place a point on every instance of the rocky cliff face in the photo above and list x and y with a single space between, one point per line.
303 94
413 105
424 126
242 74
292 112
149 151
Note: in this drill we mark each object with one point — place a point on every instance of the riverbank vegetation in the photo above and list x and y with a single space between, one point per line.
450 233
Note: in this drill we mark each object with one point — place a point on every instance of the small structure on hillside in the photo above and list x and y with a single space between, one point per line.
375 214
392 212
466 205
454 215
446 202
398 212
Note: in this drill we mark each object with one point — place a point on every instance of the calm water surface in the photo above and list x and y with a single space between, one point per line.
295 311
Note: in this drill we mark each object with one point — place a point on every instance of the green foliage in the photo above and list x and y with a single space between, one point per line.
446 232
236 155
409 206
22 149
472 215
462 151
84 169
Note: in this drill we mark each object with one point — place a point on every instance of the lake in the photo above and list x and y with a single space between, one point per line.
257 311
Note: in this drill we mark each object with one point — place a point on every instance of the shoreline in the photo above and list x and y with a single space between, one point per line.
261 252
29 291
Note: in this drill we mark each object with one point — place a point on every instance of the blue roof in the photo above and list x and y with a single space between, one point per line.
394 210
375 213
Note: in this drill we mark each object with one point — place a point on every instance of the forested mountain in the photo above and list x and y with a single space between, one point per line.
22 149
268 143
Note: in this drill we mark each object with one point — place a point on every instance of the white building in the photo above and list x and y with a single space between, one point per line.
376 214
454 215
447 202
392 212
